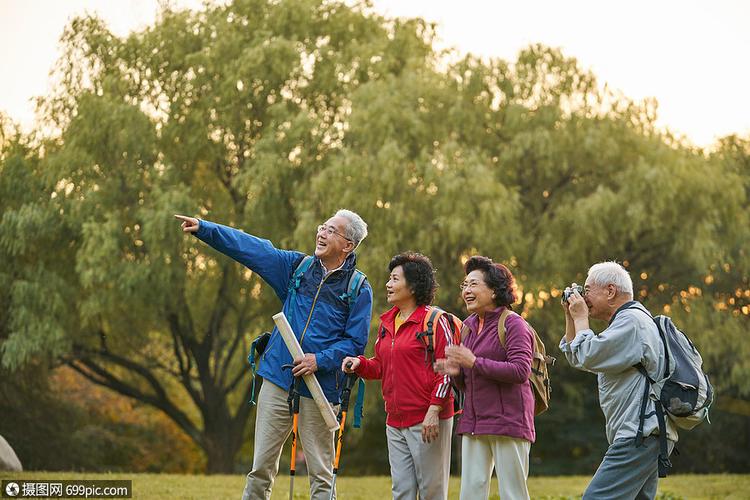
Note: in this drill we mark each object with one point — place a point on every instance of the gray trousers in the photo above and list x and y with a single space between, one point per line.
417 467
273 425
627 472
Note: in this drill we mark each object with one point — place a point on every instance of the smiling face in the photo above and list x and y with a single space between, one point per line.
398 291
330 242
476 294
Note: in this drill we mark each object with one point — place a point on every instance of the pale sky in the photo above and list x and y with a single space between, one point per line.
692 56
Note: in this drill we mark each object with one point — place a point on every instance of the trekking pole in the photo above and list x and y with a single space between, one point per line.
293 401
347 391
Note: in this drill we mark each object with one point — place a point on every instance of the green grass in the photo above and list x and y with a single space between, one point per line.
171 486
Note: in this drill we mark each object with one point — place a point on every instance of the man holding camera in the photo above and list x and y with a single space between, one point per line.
330 322
630 465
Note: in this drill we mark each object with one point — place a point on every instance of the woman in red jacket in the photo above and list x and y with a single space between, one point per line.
418 401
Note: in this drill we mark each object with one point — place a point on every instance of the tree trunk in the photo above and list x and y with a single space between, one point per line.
221 435
221 445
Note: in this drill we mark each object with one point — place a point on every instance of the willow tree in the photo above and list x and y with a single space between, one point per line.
533 163
270 115
225 113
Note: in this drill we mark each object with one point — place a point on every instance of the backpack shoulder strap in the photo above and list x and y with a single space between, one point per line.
299 271
501 326
428 331
356 280
662 325
454 327
432 317
639 307
663 461
465 330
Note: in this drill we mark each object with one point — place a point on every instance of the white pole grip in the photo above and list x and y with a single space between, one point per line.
312 383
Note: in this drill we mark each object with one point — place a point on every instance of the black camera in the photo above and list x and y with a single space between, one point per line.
568 292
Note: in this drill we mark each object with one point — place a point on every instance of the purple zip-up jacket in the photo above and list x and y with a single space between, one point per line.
499 399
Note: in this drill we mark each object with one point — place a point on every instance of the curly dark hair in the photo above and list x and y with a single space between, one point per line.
497 277
419 275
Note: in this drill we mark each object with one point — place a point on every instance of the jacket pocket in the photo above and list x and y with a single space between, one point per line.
271 346
501 403
512 399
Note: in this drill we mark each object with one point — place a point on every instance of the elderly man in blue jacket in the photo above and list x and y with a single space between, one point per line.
329 323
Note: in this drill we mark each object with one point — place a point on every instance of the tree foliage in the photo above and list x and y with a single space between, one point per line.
268 116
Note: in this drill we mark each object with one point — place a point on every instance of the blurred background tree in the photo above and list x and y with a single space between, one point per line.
269 116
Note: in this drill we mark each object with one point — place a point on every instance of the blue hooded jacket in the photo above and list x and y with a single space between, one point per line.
335 329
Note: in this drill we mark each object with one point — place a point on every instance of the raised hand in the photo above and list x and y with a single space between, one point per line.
189 224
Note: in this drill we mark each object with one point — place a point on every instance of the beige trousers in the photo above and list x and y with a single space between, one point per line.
510 458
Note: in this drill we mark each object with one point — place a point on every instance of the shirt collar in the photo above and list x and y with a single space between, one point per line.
326 272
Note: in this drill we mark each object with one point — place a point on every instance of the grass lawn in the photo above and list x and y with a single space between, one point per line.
171 486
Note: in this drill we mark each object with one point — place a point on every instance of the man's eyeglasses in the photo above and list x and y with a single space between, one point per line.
330 230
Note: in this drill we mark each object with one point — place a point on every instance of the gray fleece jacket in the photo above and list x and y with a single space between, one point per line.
630 338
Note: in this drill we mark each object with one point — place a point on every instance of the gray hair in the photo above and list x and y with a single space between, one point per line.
605 273
356 229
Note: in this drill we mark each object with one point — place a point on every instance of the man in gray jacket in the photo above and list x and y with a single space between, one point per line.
629 468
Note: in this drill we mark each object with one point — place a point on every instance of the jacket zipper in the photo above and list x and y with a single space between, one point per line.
309 317
312 308
471 374
393 343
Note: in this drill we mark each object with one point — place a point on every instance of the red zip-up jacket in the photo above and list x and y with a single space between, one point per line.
410 385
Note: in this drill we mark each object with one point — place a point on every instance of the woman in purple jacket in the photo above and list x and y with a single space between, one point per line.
497 425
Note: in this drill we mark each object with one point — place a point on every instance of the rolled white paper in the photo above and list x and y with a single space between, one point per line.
312 383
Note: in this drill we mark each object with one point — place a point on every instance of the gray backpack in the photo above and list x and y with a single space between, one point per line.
686 393
683 393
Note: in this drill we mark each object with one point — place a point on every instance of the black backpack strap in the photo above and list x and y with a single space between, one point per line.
451 325
664 463
292 399
644 403
663 460
257 348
